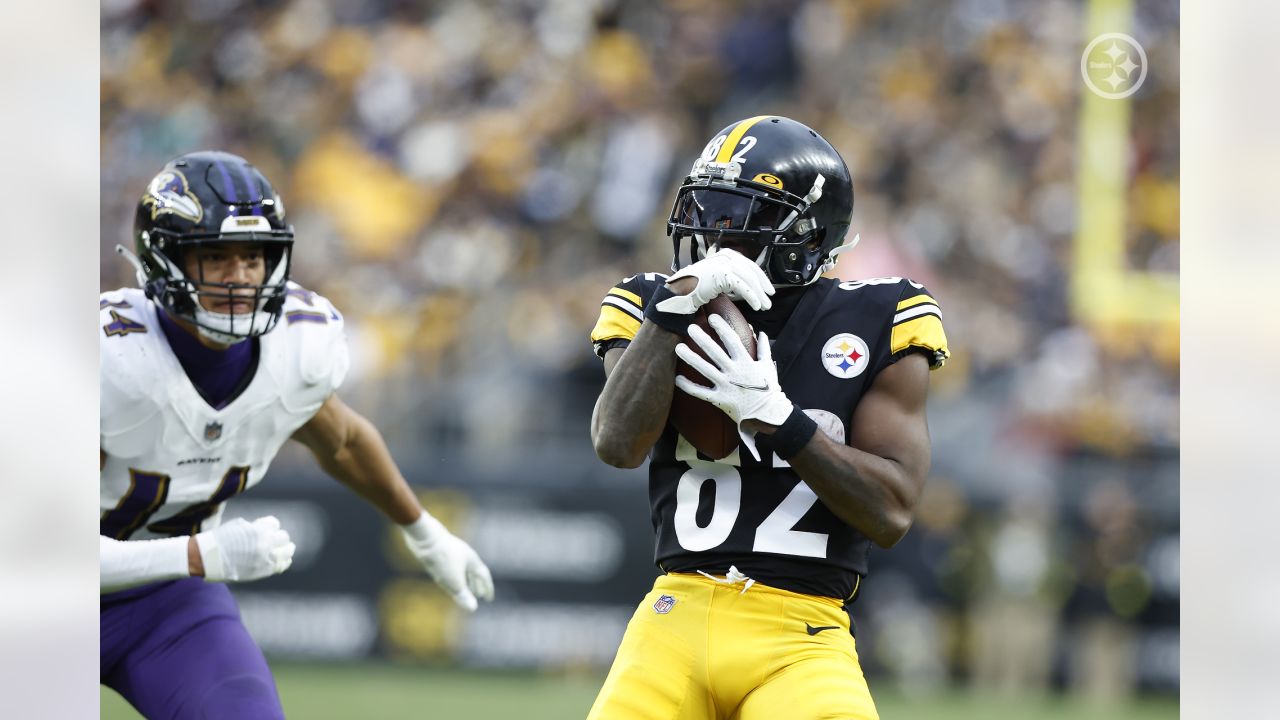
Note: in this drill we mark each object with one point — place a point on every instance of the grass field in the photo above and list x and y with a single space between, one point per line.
384 692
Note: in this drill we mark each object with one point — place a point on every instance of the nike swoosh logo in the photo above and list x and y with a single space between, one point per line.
815 630
761 388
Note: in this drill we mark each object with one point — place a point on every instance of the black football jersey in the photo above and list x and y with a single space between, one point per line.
829 342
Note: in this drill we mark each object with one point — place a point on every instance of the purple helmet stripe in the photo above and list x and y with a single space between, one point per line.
228 186
255 192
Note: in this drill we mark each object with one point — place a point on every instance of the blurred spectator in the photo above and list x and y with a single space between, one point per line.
1113 589
1015 611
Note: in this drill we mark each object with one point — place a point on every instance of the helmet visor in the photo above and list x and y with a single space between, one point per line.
711 210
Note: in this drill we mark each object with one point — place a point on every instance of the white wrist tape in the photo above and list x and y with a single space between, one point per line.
215 568
128 563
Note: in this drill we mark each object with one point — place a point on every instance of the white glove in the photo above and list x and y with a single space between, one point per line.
743 388
451 562
239 550
721 272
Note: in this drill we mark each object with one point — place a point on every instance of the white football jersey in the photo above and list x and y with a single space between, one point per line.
172 459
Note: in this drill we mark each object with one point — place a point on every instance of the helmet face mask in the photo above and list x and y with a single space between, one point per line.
790 216
213 202
187 288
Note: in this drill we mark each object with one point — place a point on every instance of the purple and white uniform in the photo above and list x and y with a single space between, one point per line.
178 649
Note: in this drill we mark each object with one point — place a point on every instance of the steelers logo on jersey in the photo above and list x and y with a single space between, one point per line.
845 356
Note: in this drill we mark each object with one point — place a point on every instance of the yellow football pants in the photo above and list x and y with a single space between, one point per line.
718 653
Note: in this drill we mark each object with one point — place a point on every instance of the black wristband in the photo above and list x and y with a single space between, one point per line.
671 322
793 434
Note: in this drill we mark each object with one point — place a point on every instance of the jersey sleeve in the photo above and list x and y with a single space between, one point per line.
622 311
917 326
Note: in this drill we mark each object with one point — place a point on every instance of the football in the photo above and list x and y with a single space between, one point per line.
704 425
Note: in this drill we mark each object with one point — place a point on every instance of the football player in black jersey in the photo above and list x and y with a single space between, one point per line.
762 550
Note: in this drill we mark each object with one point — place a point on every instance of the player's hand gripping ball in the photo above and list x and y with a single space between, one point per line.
705 426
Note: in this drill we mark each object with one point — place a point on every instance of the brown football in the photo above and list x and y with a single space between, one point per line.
704 425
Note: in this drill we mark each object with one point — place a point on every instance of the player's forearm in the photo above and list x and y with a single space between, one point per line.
125 564
875 495
365 465
632 409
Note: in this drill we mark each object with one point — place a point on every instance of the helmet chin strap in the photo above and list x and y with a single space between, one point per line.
209 324
127 254
830 264
815 192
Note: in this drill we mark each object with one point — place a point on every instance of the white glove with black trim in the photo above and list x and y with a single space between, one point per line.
743 388
450 561
721 272
240 551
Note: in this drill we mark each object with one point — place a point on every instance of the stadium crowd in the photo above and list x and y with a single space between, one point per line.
468 179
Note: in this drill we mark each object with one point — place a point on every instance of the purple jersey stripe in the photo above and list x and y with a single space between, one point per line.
294 316
147 492
306 296
192 517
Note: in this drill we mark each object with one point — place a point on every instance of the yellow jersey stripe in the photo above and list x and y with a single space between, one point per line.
925 331
917 311
735 137
628 295
916 301
614 324
624 305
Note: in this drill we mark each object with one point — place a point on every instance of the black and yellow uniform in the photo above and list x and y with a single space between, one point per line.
829 340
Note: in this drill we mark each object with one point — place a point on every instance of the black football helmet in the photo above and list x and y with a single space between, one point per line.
774 190
208 198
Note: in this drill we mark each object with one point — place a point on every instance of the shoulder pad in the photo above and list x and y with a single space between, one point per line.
915 317
317 332
622 309
128 360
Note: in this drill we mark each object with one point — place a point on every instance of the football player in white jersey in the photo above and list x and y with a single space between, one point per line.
206 371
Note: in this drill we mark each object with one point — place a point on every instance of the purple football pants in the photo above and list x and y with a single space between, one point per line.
179 650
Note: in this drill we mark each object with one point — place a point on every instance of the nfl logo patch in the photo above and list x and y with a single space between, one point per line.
212 431
663 604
